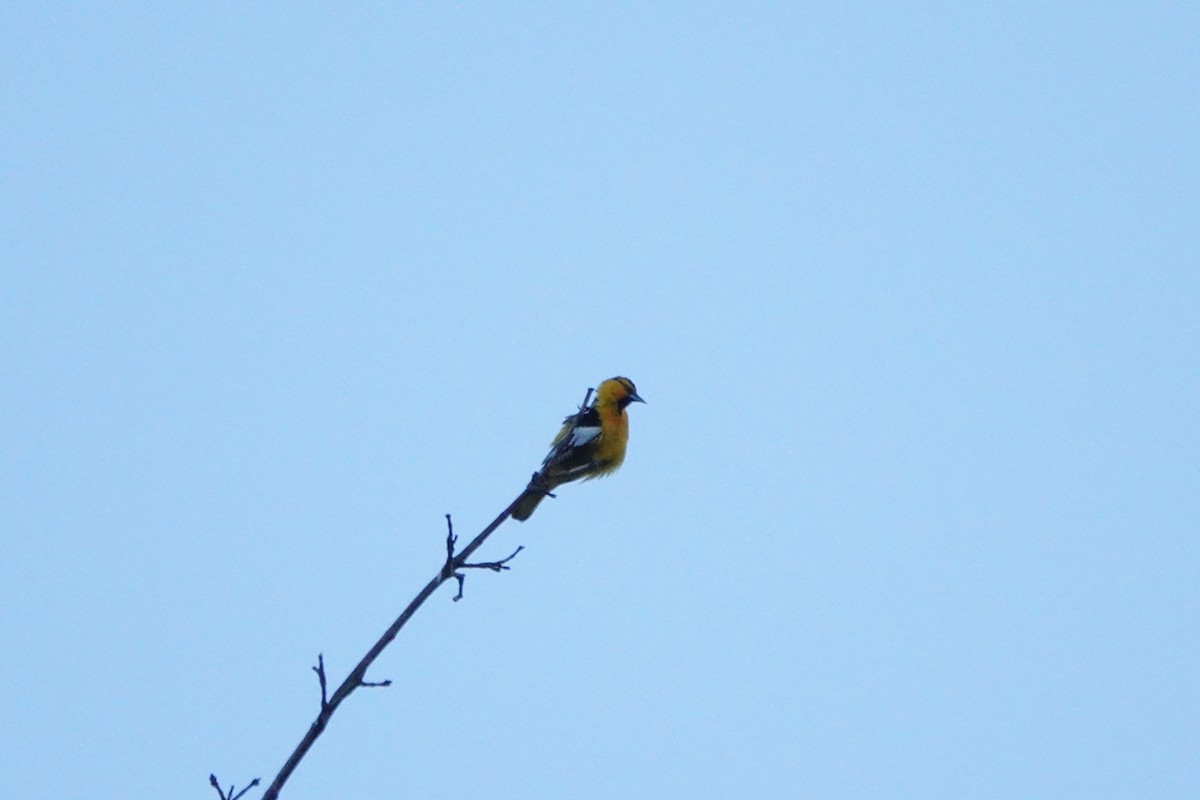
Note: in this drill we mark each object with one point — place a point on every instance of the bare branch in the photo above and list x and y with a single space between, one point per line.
357 677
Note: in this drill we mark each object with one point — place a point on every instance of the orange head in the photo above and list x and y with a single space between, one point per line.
618 392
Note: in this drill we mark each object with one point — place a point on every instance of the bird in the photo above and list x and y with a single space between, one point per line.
590 444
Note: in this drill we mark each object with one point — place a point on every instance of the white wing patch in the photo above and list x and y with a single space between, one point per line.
580 437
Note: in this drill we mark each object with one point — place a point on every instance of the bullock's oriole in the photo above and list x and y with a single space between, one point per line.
590 444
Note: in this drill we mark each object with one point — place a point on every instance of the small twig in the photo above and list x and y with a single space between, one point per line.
250 786
455 563
451 540
495 566
448 568
320 670
212 779
586 397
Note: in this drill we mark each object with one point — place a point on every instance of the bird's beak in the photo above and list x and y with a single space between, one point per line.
633 398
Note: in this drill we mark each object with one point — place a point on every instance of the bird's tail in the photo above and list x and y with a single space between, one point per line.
535 492
526 505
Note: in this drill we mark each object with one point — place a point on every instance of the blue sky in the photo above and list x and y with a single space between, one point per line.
912 292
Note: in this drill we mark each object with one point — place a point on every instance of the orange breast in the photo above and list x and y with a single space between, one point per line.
610 450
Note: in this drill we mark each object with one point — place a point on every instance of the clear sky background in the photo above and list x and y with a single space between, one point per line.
912 292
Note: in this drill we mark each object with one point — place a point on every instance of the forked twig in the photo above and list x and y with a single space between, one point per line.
212 780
